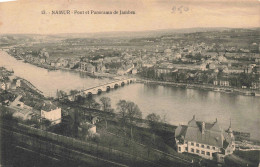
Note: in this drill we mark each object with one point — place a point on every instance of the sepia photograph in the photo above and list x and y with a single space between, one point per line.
130 83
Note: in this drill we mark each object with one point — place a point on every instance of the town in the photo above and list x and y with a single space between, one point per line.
204 60
81 129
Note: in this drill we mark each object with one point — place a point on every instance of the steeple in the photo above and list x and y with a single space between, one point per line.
229 129
192 122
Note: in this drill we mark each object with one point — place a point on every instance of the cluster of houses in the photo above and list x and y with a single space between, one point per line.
50 112
9 82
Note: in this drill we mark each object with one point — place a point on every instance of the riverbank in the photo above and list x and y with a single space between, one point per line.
222 89
52 68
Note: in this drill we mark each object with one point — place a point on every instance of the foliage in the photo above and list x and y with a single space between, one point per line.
122 108
252 156
153 119
106 103
60 94
91 103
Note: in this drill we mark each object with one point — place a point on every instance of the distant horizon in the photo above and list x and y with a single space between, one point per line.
131 31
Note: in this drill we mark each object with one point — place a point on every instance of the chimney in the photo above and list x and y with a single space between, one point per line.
203 128
194 117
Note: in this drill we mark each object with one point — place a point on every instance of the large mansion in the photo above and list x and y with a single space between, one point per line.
207 140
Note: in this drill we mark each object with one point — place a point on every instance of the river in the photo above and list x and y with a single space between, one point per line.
177 105
49 81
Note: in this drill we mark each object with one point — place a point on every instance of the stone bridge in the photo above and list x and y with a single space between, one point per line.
105 87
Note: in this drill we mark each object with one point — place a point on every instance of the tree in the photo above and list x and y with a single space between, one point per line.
80 99
73 92
153 120
106 105
76 120
122 108
60 94
91 103
133 112
67 125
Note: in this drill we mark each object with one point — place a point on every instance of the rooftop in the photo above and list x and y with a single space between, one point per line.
204 133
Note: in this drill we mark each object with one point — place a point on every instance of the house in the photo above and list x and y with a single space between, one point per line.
72 64
221 83
207 140
51 112
18 83
8 85
120 71
63 62
255 85
42 60
203 67
3 86
215 82
224 83
24 114
83 66
134 71
87 129
53 64
91 68
94 120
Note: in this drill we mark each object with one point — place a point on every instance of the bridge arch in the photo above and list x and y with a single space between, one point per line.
99 91
108 88
116 85
89 94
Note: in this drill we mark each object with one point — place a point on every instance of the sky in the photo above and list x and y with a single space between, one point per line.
24 16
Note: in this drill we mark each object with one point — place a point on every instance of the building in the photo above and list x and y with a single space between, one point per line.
224 83
221 83
134 71
87 129
91 68
207 140
51 112
83 66
18 83
3 86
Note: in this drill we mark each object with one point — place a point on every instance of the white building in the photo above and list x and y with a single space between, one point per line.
87 129
207 140
51 112
2 86
18 83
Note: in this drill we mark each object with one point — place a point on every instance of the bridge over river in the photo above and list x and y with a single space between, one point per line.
104 87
